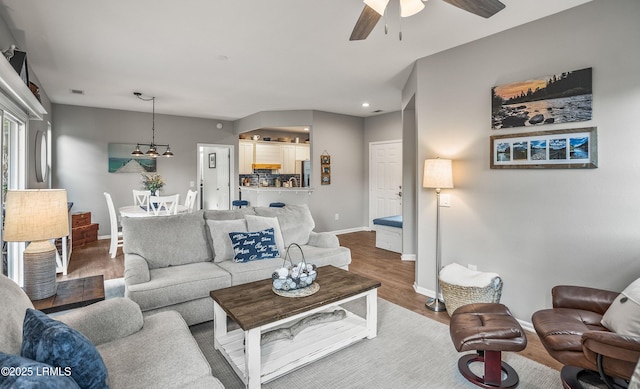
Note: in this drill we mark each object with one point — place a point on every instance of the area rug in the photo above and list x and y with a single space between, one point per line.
410 351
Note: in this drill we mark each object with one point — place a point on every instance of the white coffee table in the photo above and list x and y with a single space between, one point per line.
256 309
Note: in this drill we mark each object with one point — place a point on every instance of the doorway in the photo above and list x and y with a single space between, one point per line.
214 176
385 179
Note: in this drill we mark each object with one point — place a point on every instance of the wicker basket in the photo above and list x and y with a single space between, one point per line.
456 296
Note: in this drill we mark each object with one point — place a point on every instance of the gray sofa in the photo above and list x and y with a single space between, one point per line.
156 351
173 262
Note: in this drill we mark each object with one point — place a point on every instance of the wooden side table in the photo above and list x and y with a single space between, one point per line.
74 293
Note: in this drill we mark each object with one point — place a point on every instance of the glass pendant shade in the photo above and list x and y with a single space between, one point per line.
410 7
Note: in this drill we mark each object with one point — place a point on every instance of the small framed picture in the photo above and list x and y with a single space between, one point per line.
212 160
326 169
325 159
325 179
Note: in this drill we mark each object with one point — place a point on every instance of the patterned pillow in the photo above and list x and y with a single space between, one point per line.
20 372
252 246
55 343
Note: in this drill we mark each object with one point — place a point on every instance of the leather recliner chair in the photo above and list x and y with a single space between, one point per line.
572 334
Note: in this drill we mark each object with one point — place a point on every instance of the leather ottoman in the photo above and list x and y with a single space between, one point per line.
489 329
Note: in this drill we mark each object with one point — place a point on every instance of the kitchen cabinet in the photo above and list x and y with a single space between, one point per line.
302 152
291 155
245 157
272 153
267 152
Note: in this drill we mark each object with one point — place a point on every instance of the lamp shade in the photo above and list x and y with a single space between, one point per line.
437 174
410 7
35 215
377 5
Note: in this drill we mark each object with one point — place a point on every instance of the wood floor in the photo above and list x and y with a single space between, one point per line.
397 278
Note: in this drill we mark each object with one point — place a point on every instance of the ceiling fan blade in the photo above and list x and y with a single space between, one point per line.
484 8
365 24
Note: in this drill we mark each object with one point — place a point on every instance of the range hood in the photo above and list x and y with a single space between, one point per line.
266 166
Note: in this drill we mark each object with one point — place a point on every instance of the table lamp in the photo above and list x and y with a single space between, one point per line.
437 175
36 216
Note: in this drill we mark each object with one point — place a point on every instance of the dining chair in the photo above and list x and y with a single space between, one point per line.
116 233
190 200
164 205
141 198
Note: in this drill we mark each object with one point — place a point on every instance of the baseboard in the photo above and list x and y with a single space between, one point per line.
408 257
350 230
423 291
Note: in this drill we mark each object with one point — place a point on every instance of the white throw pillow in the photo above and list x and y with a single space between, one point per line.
220 229
259 223
623 316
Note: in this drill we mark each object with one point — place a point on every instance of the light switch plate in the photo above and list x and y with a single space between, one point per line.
445 200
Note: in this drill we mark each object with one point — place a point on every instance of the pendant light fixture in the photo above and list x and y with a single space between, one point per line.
153 147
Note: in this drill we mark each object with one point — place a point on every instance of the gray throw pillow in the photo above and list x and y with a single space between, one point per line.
296 222
220 230
260 223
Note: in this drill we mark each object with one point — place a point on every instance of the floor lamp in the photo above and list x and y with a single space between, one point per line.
37 216
437 175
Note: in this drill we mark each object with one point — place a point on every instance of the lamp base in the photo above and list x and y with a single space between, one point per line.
435 305
40 271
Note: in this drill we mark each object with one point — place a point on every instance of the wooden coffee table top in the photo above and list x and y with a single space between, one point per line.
74 293
255 304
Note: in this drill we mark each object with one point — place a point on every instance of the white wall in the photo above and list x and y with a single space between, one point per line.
81 137
536 228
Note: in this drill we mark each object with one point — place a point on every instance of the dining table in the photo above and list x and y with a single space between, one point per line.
140 211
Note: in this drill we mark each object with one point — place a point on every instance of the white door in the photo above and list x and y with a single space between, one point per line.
385 179
214 171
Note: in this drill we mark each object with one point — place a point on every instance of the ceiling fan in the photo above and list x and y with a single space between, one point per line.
374 9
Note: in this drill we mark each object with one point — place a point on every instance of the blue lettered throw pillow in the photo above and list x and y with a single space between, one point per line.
55 343
20 372
252 246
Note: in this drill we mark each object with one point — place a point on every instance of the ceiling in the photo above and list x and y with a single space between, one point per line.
227 59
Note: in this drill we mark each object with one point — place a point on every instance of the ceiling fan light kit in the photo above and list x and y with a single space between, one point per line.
374 9
410 7
378 5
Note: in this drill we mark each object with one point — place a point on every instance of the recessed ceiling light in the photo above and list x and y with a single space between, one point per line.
306 128
365 105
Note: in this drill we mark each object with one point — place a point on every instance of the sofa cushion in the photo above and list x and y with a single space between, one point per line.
254 246
241 273
623 316
177 284
163 354
228 214
14 304
259 223
219 230
167 240
27 373
295 221
55 343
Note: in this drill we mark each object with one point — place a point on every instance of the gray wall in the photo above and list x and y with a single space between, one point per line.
80 141
380 128
537 228
82 134
341 136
